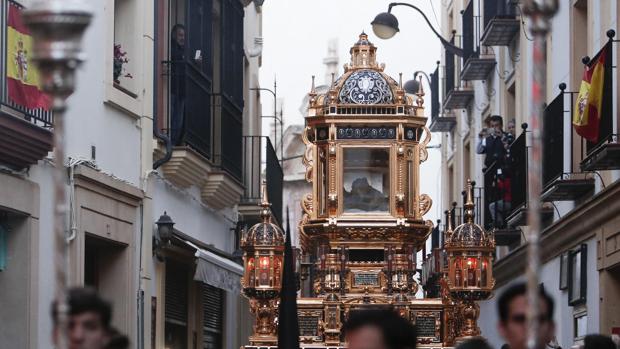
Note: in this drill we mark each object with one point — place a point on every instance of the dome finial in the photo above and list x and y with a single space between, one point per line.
449 227
265 204
469 202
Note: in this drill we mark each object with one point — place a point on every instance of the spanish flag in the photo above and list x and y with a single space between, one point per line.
588 107
22 76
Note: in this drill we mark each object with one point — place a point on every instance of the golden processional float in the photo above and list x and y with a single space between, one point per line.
363 222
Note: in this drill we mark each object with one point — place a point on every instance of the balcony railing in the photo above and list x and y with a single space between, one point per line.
454 95
440 122
189 106
558 183
505 185
38 117
260 162
25 133
500 23
477 62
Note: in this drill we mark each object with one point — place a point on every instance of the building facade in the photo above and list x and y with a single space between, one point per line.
581 267
164 121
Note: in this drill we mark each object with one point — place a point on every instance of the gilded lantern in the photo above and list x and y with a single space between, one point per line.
470 257
263 256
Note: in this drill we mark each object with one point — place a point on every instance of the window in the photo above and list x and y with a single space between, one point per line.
177 295
212 316
580 324
125 49
366 180
577 282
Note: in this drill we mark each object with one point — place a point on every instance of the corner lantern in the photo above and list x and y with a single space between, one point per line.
470 258
263 256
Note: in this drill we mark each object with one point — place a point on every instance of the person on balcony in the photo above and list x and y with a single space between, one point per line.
500 208
492 142
177 83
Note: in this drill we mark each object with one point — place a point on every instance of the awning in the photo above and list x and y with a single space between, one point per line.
216 271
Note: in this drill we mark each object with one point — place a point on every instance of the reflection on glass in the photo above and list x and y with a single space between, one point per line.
576 268
366 180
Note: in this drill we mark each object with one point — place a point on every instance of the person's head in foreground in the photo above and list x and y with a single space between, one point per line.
512 307
378 329
474 343
88 319
598 341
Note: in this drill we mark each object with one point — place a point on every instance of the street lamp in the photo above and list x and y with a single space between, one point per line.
275 117
385 26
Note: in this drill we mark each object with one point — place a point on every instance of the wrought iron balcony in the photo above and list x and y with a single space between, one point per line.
558 184
478 62
25 133
500 22
260 163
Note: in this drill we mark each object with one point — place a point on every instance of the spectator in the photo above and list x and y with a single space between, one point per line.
116 340
379 329
490 142
512 308
88 320
177 83
500 208
474 343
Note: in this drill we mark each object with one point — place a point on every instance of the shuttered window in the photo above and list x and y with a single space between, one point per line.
177 295
212 317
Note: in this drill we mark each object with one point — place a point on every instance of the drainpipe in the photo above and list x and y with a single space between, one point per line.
156 132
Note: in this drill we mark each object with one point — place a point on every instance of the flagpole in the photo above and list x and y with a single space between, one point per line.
540 13
57 27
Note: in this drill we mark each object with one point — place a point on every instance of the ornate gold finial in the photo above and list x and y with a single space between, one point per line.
333 81
449 227
400 80
265 212
420 94
469 202
312 89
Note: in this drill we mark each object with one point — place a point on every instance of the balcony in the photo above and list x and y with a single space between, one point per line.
477 63
500 22
505 194
458 98
440 122
478 67
260 163
559 185
189 121
605 156
25 133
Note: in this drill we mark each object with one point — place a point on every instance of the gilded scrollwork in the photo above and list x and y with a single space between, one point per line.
308 159
306 204
424 143
425 204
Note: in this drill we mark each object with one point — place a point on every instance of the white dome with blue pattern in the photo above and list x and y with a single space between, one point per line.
365 87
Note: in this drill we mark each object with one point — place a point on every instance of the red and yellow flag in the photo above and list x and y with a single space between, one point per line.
22 76
588 107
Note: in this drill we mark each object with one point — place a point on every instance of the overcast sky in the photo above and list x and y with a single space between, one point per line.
296 35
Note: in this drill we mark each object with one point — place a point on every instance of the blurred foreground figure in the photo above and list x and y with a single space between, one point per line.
512 308
598 341
379 329
89 320
474 343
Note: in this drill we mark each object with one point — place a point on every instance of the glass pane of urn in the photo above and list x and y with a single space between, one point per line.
366 180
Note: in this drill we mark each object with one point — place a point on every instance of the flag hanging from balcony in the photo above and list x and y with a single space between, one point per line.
588 107
21 74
